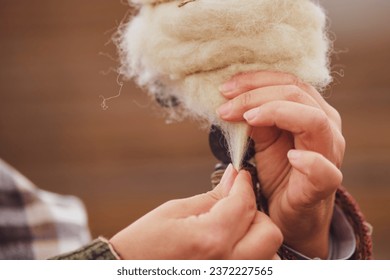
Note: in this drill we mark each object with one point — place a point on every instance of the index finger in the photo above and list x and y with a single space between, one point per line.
244 82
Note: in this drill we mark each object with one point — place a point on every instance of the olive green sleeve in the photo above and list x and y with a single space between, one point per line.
99 249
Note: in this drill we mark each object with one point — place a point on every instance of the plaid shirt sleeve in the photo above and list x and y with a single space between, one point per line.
36 224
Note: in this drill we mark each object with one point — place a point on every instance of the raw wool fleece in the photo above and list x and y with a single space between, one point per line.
188 52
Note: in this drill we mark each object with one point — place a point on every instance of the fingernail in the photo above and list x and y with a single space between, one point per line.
224 109
294 155
251 114
228 86
227 174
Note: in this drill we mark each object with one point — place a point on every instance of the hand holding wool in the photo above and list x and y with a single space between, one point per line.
221 224
183 52
299 148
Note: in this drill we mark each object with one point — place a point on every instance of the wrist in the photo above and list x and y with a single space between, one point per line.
309 232
122 245
317 248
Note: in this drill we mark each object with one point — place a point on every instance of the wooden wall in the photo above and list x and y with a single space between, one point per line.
55 63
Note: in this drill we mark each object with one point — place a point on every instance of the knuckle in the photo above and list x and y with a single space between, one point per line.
336 116
335 177
293 93
306 200
274 234
339 178
342 144
246 101
236 80
278 236
246 204
321 120
251 206
276 109
214 195
315 161
293 80
241 80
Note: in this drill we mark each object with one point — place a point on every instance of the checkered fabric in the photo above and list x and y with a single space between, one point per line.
36 224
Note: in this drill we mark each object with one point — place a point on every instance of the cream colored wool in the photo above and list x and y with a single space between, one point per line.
188 51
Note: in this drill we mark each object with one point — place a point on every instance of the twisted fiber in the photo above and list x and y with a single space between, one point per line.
362 229
261 201
344 200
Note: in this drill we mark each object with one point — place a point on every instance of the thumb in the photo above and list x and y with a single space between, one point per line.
202 203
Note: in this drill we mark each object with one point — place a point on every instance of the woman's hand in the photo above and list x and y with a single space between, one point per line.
221 224
299 149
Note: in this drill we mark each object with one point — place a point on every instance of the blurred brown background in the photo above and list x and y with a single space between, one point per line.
123 162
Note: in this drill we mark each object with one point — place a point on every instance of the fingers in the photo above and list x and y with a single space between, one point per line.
245 82
310 126
210 235
324 177
259 89
232 216
234 109
257 79
238 230
262 240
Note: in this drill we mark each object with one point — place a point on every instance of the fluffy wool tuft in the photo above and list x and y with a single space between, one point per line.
188 51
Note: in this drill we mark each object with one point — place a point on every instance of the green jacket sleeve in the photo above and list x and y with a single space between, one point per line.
99 249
